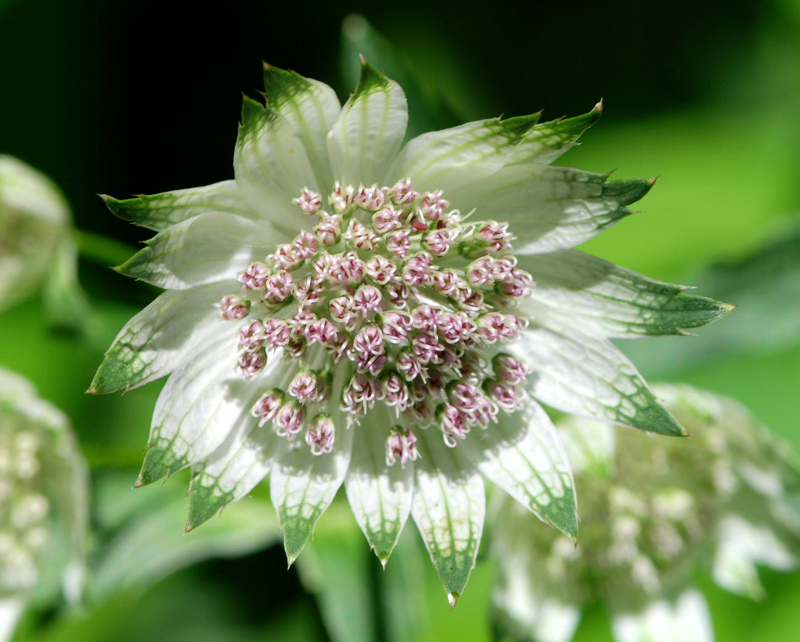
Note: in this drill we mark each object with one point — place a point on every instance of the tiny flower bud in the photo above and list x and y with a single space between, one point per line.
254 277
367 299
251 363
370 198
251 336
400 445
268 405
402 194
341 197
320 434
233 307
308 201
380 269
289 419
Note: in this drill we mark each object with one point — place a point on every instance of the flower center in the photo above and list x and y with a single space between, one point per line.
390 297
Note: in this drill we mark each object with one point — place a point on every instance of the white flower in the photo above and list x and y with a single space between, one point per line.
653 511
43 499
34 220
352 310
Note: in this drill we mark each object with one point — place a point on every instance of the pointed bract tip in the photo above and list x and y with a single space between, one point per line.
362 59
189 528
652 180
609 173
729 307
452 598
598 107
139 483
383 558
91 390
266 65
105 197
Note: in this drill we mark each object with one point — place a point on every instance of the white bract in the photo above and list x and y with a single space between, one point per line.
43 500
654 511
351 310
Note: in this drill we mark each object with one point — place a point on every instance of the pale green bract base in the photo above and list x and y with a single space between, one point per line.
495 168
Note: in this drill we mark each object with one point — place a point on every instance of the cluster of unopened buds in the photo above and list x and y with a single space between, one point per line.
23 510
388 296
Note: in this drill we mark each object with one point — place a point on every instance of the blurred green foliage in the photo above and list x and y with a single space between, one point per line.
143 96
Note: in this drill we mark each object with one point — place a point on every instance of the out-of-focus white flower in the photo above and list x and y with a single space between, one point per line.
38 250
653 511
34 218
43 501
352 310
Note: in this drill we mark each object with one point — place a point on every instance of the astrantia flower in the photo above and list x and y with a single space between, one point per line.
43 500
653 511
352 310
34 219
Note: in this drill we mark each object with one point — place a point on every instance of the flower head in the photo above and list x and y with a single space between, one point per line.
34 220
654 510
353 311
43 498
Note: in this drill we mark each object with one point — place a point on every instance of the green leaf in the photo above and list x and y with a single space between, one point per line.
429 107
765 286
449 508
64 300
150 542
611 300
405 599
335 567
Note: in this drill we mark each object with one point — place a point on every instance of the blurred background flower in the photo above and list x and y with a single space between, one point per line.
37 248
43 502
127 97
652 512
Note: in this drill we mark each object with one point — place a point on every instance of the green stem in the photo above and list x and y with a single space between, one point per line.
102 249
